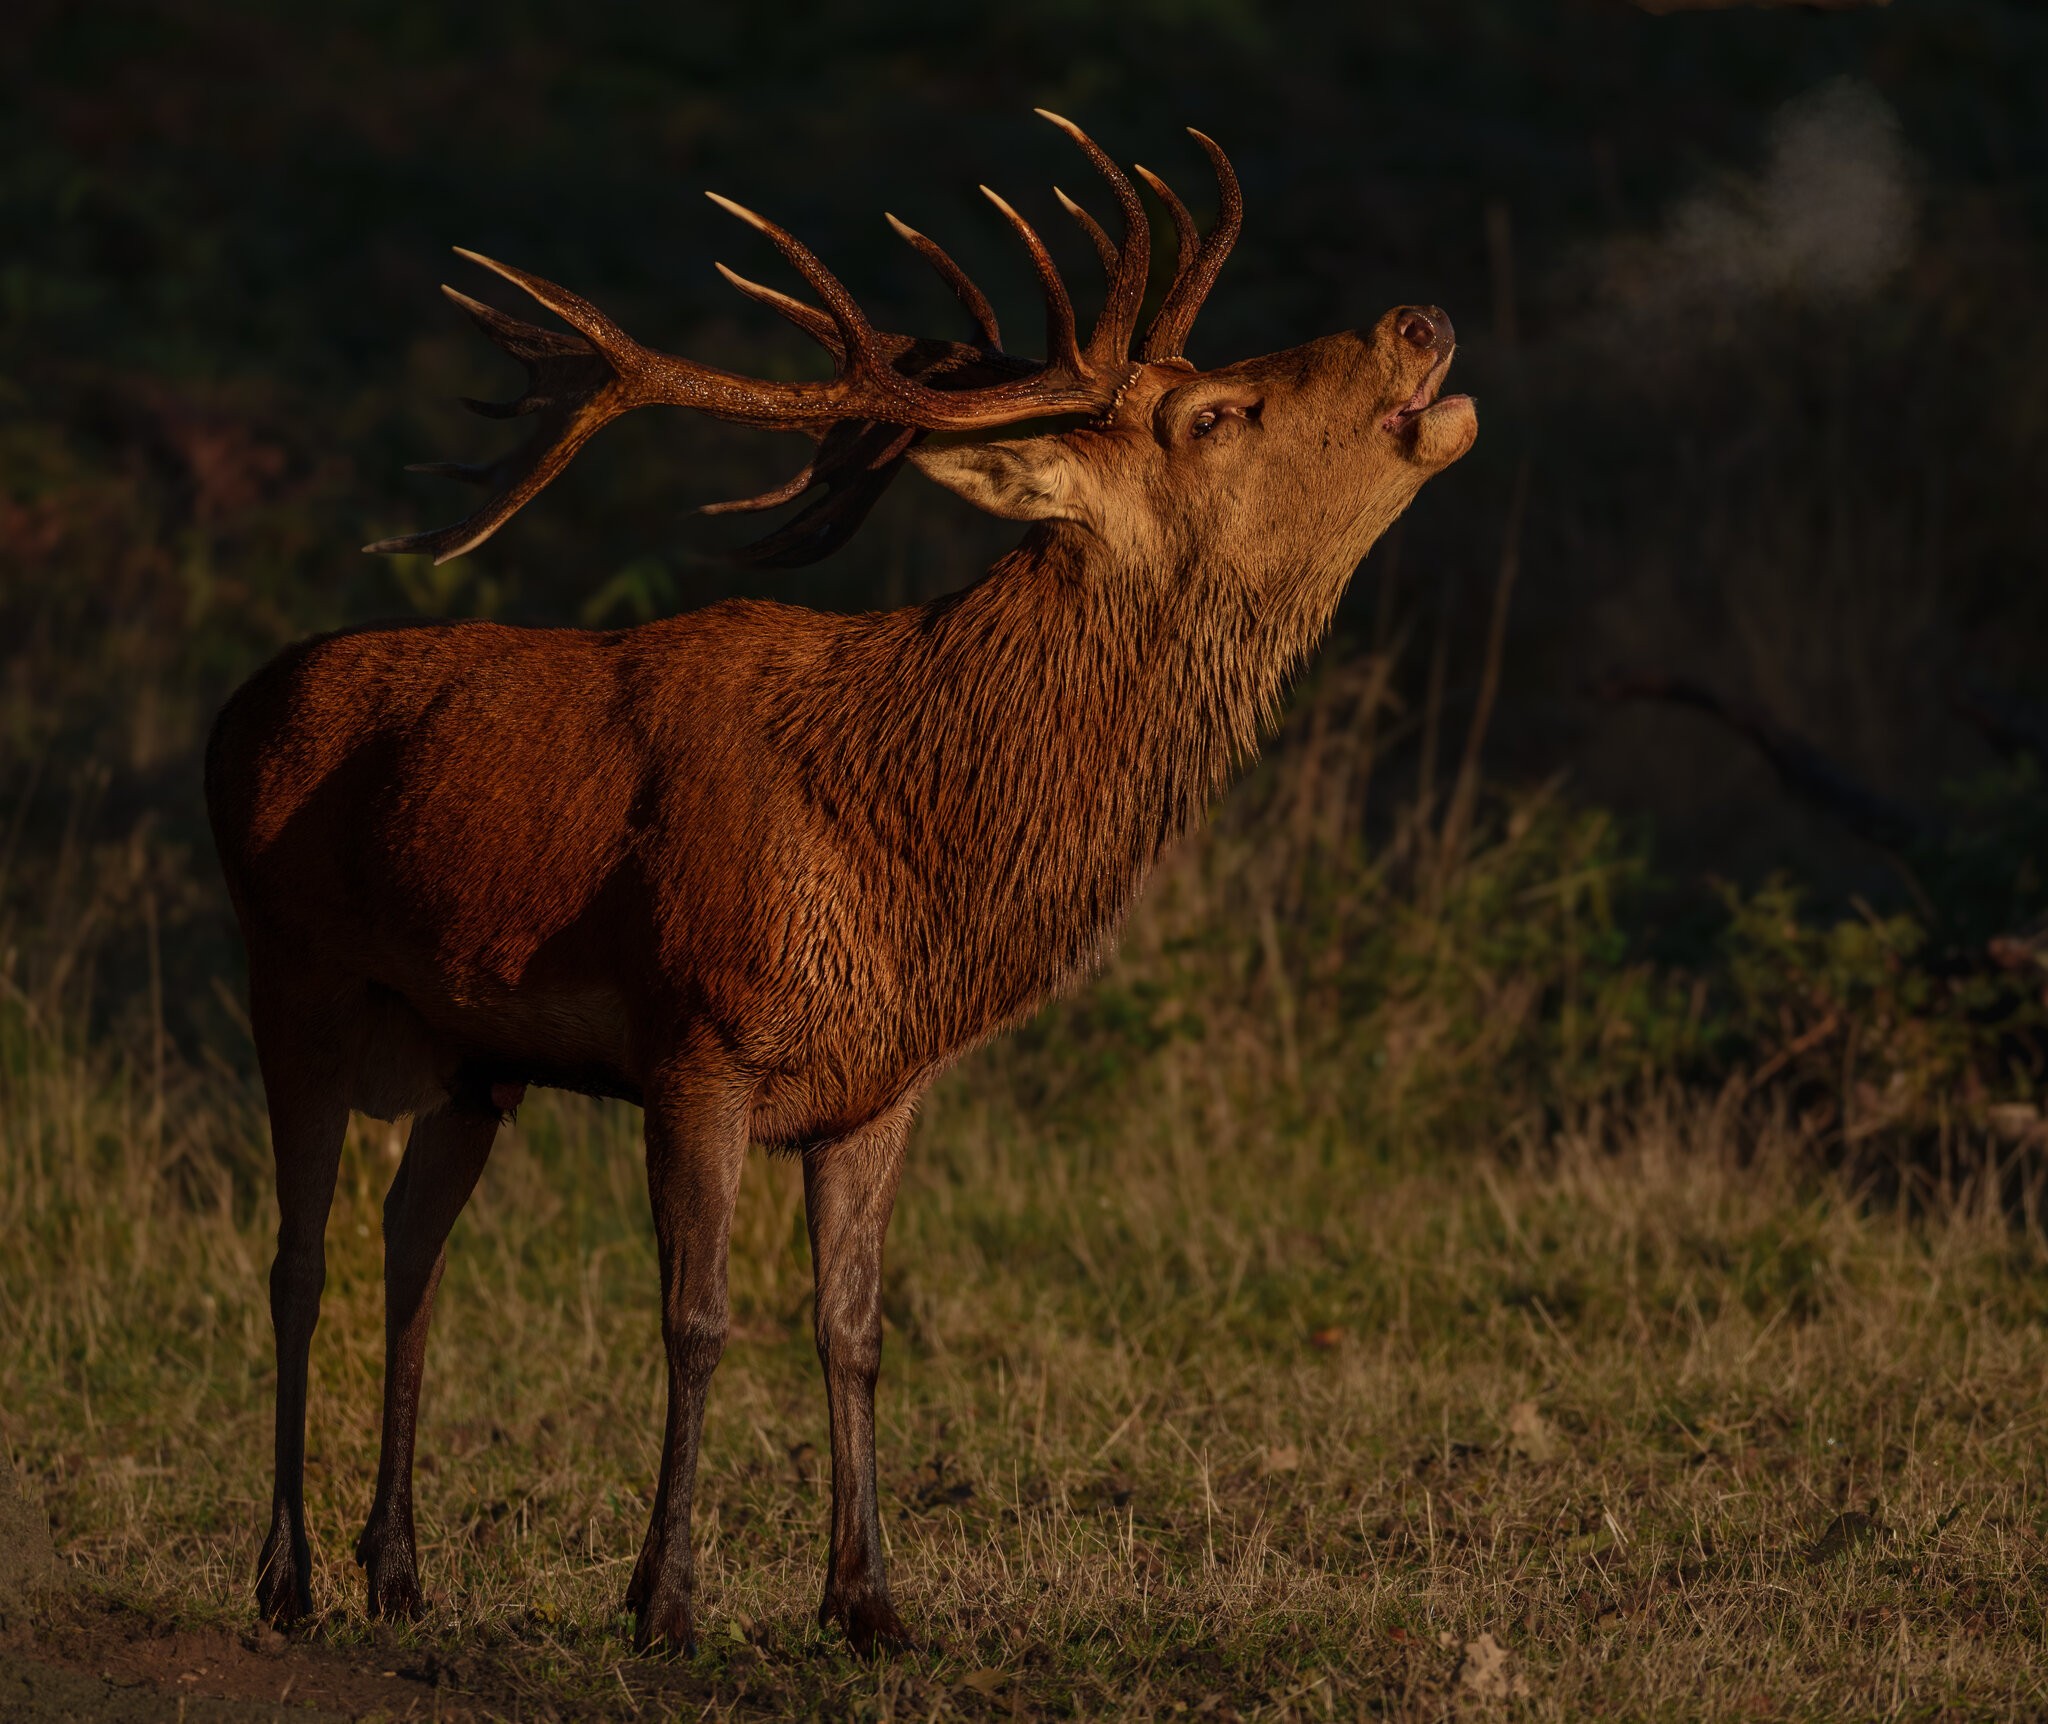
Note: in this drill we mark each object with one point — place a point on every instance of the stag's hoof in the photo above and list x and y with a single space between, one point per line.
871 1625
658 1595
662 1623
284 1595
641 1587
394 1574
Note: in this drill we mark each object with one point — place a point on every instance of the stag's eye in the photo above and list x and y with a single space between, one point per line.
1181 422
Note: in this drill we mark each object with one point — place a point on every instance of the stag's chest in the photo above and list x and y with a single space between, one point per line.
882 969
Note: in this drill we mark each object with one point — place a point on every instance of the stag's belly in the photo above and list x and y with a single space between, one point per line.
420 1053
574 1039
420 1049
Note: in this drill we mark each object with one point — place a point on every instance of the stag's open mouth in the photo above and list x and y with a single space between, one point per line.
1405 418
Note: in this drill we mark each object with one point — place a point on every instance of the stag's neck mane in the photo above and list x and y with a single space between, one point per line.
1021 752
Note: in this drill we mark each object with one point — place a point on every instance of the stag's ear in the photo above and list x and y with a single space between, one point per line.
1030 479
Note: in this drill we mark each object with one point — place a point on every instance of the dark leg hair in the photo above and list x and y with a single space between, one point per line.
444 1156
849 1192
696 1147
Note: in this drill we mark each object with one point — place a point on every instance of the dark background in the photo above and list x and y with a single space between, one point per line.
1757 296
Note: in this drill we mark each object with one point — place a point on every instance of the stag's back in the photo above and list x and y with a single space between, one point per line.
464 795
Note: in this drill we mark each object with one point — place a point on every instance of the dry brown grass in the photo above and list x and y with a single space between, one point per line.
1189 1413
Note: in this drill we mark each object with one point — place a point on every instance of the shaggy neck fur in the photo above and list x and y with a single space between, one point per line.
1045 735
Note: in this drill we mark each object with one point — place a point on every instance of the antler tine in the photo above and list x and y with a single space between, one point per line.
787 492
809 319
1187 237
1105 248
818 530
574 382
578 313
1062 343
515 478
854 474
524 341
854 328
971 298
1196 274
845 452
1110 341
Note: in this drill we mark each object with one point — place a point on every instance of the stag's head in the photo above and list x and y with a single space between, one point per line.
1282 469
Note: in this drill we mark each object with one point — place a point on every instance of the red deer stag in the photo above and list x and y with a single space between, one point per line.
764 871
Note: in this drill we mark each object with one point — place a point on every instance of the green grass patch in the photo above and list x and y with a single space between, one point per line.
1194 1413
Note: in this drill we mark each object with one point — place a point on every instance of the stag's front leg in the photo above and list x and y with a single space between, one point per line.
849 1191
696 1146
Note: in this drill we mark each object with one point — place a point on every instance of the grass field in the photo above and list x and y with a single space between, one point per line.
1652 1417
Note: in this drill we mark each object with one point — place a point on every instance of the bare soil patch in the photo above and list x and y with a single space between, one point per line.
96 1658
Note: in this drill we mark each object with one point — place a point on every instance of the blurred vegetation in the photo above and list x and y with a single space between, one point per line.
1434 985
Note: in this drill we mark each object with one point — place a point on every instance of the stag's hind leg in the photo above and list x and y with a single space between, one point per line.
303 1048
444 1156
849 1194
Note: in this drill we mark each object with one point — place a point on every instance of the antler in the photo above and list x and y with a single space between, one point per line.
1196 266
885 393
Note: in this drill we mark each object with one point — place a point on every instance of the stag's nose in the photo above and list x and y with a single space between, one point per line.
1427 328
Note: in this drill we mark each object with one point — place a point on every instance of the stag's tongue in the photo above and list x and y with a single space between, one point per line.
1422 400
1425 393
